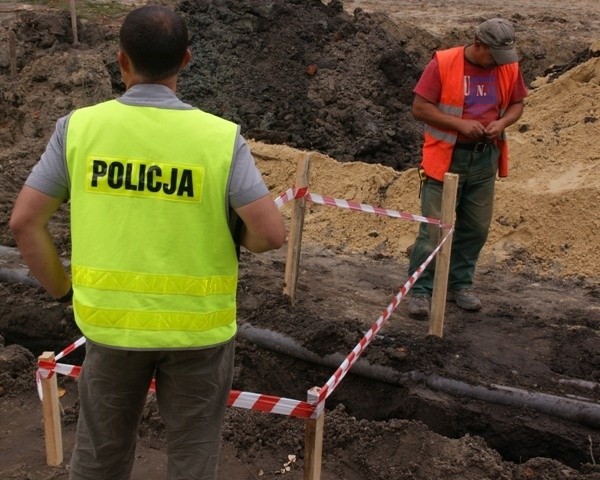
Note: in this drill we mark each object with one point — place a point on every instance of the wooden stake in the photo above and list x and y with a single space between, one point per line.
50 407
442 261
73 22
313 441
296 226
12 49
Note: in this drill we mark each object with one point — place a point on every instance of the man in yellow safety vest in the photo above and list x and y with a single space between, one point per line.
155 189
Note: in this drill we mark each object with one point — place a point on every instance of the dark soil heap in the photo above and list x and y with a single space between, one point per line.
306 74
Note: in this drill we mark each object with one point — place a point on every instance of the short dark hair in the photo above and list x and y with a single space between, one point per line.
155 39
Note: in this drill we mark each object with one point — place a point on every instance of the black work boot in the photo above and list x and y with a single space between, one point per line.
418 305
464 299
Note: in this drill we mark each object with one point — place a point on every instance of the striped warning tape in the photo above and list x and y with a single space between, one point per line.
75 345
268 403
251 401
343 369
294 193
289 195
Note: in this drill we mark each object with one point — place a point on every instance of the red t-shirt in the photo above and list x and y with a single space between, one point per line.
482 99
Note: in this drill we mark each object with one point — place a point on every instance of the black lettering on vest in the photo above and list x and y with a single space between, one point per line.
186 185
128 173
116 171
152 186
169 188
142 177
99 168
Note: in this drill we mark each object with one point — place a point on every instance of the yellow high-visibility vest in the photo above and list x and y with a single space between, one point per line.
153 261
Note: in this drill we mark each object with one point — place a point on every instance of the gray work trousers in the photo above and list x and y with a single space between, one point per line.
192 389
474 208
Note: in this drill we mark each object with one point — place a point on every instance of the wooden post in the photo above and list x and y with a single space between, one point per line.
296 225
442 261
73 22
313 441
52 428
12 49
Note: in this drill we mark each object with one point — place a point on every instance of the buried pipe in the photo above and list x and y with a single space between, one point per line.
575 382
17 275
11 271
578 411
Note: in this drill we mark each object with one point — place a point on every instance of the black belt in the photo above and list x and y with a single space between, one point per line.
477 147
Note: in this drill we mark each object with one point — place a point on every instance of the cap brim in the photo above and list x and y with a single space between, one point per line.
503 56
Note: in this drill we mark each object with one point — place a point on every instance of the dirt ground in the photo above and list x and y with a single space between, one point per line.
511 392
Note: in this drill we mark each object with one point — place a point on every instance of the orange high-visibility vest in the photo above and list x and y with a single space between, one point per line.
439 143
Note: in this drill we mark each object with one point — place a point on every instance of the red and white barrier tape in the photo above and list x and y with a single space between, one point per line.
346 365
74 346
268 403
294 193
252 401
289 195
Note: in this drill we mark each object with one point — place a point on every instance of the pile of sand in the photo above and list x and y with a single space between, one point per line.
547 214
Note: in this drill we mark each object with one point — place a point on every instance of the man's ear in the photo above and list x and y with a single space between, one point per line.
186 59
123 60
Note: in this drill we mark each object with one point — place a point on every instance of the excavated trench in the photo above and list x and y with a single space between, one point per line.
449 415
520 425
560 429
517 423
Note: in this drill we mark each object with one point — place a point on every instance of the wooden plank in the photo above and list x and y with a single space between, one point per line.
51 411
313 441
294 244
12 49
73 22
442 263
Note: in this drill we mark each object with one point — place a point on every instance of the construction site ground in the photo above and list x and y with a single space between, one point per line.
511 392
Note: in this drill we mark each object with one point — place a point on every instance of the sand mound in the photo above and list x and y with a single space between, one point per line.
546 218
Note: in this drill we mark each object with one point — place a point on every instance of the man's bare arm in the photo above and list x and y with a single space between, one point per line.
28 224
263 225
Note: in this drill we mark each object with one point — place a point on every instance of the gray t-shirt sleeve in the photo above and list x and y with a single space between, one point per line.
50 175
246 183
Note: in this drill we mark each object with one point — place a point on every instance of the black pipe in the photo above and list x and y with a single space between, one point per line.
578 411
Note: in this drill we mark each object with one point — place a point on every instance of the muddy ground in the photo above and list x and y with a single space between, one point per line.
304 76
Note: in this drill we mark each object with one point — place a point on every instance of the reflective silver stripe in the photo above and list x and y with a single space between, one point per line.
440 134
503 134
451 109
